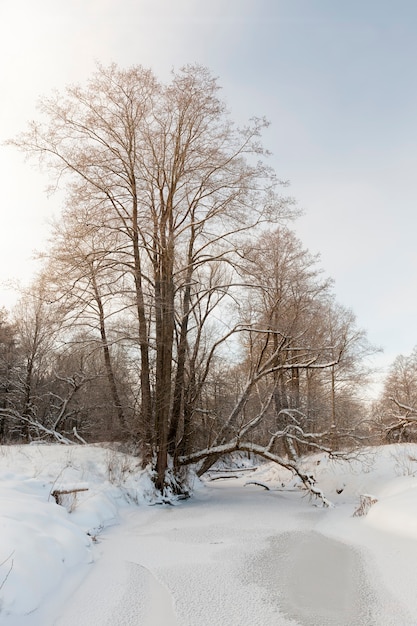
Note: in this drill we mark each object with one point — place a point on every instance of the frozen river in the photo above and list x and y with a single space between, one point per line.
231 555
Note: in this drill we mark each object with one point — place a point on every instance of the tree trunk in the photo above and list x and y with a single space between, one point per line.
178 395
164 326
146 398
106 353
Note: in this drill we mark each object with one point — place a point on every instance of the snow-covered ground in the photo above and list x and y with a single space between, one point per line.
235 553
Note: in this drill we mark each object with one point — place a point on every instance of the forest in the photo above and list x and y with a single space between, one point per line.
176 311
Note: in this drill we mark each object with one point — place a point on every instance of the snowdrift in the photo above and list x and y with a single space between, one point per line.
42 542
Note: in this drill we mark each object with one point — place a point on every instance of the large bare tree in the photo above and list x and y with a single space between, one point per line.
163 168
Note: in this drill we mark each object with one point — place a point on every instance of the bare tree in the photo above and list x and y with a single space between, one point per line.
36 327
45 383
396 410
164 168
36 399
80 272
294 338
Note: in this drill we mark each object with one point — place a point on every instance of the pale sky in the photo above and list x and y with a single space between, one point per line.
337 80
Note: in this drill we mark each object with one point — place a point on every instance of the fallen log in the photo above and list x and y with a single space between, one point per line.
58 493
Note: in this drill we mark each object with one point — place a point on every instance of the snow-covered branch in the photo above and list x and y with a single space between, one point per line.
411 412
32 422
307 479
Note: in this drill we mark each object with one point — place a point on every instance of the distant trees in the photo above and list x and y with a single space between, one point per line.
81 274
31 407
301 323
298 354
8 365
163 268
51 379
396 409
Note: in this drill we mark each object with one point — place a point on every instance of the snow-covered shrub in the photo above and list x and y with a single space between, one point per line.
405 457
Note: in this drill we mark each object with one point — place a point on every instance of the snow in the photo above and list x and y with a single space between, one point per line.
234 553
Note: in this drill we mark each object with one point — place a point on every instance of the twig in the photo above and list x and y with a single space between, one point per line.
10 569
255 482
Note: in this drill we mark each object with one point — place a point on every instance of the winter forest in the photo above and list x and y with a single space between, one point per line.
176 311
179 335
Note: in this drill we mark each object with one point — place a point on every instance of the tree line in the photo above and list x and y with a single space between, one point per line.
176 308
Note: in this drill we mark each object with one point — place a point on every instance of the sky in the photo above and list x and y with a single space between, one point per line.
337 81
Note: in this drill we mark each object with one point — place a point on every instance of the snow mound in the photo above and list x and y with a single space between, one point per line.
43 544
41 541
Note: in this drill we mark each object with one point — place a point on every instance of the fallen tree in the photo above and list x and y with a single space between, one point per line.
307 479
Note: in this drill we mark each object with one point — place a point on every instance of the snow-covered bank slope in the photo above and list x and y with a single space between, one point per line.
41 543
216 557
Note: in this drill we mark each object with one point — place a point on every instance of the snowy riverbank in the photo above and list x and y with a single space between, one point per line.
231 554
